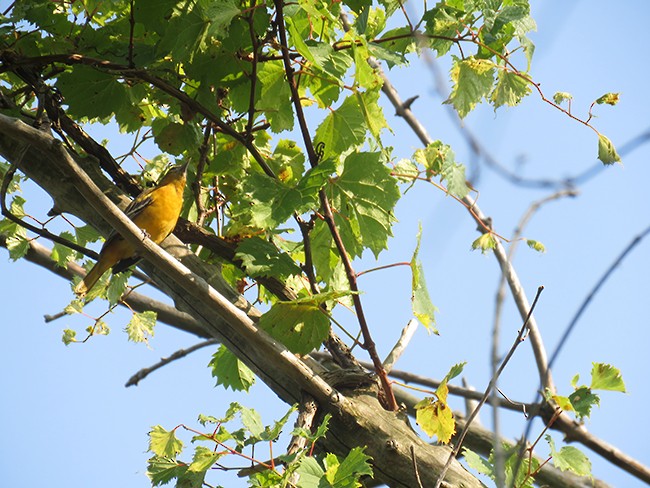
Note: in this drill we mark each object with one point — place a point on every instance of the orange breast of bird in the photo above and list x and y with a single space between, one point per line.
159 218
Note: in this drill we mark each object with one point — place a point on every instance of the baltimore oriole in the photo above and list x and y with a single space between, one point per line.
155 211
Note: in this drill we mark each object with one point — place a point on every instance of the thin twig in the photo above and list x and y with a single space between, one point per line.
590 296
415 467
181 353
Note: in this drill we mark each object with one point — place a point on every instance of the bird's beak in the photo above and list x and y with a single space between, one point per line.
184 167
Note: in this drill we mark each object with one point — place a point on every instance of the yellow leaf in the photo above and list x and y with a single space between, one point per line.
437 419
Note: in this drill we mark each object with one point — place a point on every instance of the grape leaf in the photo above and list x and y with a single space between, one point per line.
342 129
536 245
436 418
560 97
141 326
92 93
606 377
609 99
275 97
606 150
421 305
161 470
478 463
486 242
472 80
230 371
300 327
510 89
203 460
569 458
583 400
164 443
261 258
364 195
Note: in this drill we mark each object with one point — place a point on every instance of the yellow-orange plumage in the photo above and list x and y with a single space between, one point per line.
155 211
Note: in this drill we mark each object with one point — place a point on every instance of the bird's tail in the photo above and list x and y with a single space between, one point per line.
91 278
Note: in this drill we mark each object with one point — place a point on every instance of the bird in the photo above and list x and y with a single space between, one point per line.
155 211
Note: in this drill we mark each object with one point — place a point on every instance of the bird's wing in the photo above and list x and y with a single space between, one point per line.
134 209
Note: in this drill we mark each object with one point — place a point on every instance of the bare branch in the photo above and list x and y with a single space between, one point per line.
400 346
181 353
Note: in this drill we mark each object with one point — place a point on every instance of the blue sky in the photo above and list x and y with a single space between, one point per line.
69 421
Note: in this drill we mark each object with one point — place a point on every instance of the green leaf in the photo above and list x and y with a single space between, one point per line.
92 93
271 433
536 245
220 14
61 254
161 470
583 400
442 23
365 195
486 242
17 245
342 129
478 463
454 175
275 96
69 336
439 160
269 202
310 473
141 326
164 443
175 138
261 258
75 306
117 287
606 377
300 327
348 472
526 466
560 97
252 421
510 89
203 459
365 76
406 171
569 458
185 34
421 305
606 150
230 371
287 161
472 80
609 99
454 371
372 112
